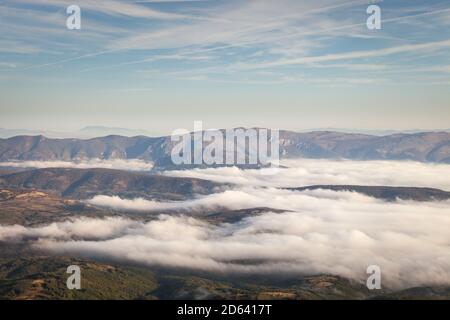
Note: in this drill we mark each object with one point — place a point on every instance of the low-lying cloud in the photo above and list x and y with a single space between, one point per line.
303 172
119 164
230 199
325 232
319 232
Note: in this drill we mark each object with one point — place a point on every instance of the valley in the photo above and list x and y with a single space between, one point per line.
36 198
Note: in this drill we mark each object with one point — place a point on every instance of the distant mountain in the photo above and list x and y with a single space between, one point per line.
386 193
109 147
425 147
86 183
8 133
84 133
375 132
101 131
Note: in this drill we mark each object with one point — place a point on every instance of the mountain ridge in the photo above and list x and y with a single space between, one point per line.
86 183
387 193
422 147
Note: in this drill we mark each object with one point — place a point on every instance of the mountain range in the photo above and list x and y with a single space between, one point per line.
90 132
424 147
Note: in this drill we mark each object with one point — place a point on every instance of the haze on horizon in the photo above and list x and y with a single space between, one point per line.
288 64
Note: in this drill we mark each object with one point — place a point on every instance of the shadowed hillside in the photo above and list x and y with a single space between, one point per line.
387 193
86 183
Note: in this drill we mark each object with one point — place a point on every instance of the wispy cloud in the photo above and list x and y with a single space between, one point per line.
282 38
111 7
204 48
431 46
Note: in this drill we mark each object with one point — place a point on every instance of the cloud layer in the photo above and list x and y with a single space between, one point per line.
320 232
327 232
119 164
303 172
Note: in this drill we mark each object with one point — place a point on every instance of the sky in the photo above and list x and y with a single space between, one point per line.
288 64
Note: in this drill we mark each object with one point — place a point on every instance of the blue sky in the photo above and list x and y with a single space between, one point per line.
160 65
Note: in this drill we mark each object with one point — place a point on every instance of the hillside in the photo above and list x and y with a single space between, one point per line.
32 208
386 193
428 146
44 278
33 277
86 183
